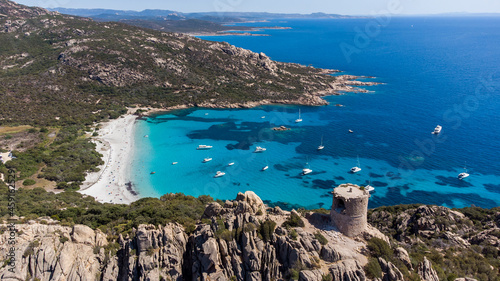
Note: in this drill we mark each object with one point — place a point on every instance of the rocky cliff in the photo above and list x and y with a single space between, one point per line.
242 240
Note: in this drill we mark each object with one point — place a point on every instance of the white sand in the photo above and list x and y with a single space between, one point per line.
115 143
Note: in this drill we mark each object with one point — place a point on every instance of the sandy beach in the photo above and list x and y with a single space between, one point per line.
115 143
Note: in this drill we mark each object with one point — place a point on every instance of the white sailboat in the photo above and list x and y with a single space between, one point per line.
321 146
204 147
463 175
299 119
356 168
307 170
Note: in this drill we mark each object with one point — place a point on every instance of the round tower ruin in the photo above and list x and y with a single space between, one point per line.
349 209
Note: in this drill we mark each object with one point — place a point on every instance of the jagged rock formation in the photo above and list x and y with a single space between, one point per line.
426 272
391 272
236 244
242 240
472 234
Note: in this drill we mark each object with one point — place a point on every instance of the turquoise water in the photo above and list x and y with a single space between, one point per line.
434 70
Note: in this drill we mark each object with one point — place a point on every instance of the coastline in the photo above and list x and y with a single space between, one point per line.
111 184
116 143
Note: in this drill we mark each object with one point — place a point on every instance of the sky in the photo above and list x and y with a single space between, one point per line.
345 7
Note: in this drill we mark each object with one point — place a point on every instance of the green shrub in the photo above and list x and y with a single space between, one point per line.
379 248
294 221
373 269
28 182
294 234
320 238
63 239
150 251
267 229
326 277
226 235
249 227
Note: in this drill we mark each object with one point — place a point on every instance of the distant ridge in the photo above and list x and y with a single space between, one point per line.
210 16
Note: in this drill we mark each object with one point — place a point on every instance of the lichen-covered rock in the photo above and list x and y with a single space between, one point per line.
426 272
254 202
403 256
347 270
391 272
213 209
310 275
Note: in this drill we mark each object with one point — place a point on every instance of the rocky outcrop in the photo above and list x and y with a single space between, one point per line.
403 256
348 270
242 241
391 272
311 275
426 272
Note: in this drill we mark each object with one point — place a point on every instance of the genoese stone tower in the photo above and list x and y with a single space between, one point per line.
349 209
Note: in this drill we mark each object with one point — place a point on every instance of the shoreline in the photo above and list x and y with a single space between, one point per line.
111 184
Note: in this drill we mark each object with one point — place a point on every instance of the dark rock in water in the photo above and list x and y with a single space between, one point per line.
339 178
324 184
379 184
373 175
492 187
452 181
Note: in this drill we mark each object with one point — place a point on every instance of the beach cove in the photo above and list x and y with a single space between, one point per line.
116 143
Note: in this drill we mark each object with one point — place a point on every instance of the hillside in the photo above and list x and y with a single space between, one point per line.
81 71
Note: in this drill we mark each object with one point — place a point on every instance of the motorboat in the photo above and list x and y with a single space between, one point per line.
204 147
306 171
152 173
207 160
356 168
351 131
463 175
174 163
369 188
231 164
219 174
437 130
265 168
259 149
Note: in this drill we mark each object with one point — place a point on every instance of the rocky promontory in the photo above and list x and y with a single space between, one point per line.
237 240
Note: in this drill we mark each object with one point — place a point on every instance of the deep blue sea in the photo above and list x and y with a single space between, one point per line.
434 71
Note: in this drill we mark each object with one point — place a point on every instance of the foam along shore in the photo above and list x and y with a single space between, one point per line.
111 184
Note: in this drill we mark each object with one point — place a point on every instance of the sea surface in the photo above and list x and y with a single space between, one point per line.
435 71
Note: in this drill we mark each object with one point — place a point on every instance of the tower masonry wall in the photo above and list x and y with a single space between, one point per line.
349 209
